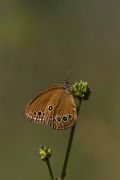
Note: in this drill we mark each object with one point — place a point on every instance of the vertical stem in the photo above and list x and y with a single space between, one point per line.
63 174
50 169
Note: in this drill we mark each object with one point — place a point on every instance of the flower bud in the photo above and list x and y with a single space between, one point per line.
45 152
81 90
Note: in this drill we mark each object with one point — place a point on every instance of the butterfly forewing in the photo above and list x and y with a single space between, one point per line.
35 109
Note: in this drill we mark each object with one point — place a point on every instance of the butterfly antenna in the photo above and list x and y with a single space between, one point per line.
67 81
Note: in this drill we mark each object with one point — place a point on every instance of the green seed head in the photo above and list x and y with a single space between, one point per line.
81 90
44 152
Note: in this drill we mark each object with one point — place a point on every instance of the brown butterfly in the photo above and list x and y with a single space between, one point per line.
54 106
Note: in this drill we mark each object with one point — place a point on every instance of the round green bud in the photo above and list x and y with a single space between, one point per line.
44 152
81 90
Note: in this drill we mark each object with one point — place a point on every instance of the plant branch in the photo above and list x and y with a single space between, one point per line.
63 174
49 168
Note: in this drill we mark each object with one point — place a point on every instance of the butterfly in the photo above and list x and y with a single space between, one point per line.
54 107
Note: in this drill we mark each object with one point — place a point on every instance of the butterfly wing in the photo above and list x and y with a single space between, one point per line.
55 107
63 115
35 110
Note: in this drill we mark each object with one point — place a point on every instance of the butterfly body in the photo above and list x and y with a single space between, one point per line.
54 106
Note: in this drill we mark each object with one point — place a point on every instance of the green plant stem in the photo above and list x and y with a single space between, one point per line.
63 174
50 169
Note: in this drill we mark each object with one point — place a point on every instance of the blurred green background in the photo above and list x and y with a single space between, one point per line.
39 42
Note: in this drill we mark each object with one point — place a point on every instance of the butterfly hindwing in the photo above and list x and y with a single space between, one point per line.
65 113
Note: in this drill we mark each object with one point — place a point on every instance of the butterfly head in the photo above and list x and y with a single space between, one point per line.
66 86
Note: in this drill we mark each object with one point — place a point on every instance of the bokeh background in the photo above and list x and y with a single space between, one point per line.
39 42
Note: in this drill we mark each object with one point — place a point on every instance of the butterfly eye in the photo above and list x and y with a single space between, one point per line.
34 113
39 113
50 108
51 117
70 116
65 118
58 118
